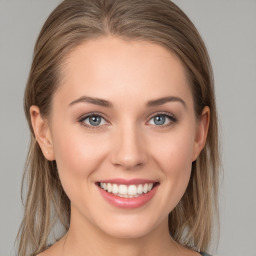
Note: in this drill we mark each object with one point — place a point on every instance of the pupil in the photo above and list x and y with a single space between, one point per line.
159 120
95 120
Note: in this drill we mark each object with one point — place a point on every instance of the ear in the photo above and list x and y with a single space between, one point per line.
201 132
42 133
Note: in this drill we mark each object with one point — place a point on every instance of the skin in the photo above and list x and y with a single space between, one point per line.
127 144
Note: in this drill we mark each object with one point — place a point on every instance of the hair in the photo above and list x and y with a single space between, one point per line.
158 21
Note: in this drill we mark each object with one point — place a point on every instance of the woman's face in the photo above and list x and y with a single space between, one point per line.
124 135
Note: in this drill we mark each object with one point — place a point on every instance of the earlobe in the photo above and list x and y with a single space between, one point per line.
42 133
201 133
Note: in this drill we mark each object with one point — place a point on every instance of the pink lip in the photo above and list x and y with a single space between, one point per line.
128 203
128 182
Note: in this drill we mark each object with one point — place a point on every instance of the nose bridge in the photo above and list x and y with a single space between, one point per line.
129 149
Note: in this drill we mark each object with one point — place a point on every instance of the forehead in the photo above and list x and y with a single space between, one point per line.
110 66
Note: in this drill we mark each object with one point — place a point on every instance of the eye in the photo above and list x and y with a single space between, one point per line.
162 120
93 120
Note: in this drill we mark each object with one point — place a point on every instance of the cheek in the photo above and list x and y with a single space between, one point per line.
173 156
174 151
77 156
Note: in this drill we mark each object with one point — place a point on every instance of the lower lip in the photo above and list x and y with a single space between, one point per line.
128 203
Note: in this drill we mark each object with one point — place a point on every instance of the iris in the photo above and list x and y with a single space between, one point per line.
160 119
94 120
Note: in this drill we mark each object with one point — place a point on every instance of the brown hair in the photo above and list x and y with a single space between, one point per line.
157 21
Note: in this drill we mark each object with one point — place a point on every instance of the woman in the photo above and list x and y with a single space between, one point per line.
124 143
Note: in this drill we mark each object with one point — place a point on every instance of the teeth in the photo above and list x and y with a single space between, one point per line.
109 188
127 191
115 189
122 189
140 189
145 189
132 190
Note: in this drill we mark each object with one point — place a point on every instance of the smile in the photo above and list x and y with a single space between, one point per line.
127 194
127 191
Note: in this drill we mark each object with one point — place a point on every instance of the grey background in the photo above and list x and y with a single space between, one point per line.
229 30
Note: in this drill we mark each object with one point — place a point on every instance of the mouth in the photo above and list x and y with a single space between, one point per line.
127 191
127 194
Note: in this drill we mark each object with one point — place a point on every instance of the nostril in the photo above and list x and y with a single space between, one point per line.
129 151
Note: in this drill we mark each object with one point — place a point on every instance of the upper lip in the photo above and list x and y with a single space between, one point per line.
128 181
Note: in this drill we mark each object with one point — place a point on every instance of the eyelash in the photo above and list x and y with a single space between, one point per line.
172 119
93 114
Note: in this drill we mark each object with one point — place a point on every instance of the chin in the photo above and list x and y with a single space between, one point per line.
129 227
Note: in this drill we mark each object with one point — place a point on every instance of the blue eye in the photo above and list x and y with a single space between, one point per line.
162 120
93 120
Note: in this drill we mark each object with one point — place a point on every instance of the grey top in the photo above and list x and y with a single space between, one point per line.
204 254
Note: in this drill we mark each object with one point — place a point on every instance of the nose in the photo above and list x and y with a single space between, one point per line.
128 148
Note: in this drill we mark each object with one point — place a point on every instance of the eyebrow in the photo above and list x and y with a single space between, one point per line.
105 103
164 100
95 101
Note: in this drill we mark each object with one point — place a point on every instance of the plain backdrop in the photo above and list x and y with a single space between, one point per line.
229 30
